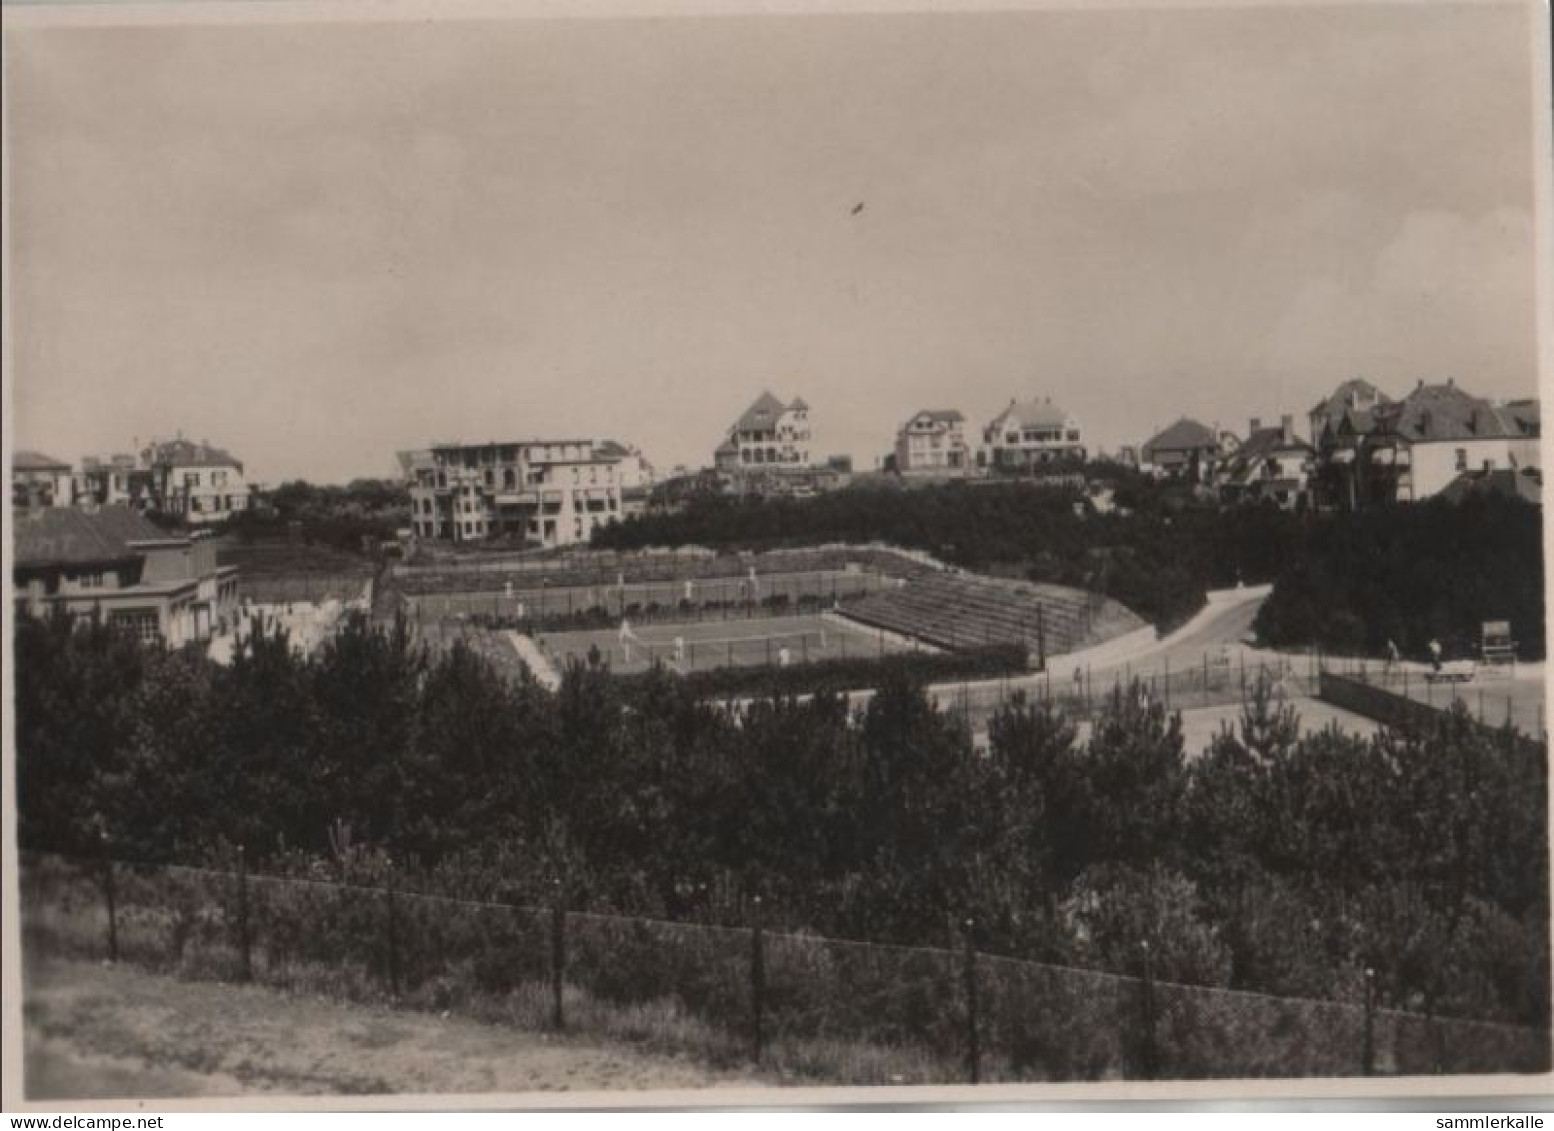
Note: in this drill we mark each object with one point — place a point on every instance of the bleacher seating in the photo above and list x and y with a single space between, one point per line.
958 610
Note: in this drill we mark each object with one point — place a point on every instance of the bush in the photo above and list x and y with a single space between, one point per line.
1436 570
845 675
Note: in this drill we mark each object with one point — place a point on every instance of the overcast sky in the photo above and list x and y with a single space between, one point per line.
318 244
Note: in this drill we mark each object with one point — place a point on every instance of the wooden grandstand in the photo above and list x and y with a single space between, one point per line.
959 610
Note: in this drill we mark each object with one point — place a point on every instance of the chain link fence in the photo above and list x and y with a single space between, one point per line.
1219 680
1495 696
806 1006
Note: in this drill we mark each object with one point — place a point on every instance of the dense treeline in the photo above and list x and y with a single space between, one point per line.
1272 863
1347 582
1435 570
363 511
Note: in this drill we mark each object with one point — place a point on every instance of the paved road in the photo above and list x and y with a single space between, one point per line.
1219 634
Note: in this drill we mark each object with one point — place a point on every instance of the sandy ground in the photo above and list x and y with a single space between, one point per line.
98 1032
1200 726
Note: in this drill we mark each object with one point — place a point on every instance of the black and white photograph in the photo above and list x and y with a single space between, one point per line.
731 551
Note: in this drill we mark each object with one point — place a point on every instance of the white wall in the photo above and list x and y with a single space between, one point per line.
1434 464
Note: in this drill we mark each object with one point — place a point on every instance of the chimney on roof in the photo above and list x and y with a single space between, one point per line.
1254 425
1287 426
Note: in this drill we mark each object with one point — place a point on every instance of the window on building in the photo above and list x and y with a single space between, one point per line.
90 581
143 622
1462 459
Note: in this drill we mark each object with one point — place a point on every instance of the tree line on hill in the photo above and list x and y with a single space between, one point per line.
1409 575
1272 862
363 512
1342 581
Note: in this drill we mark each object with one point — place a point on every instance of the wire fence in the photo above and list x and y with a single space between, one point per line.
845 1011
766 645
1493 695
304 588
533 607
1219 679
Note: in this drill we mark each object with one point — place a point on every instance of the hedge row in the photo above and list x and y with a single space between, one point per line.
852 674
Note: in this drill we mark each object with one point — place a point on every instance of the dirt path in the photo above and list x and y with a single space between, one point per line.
98 1032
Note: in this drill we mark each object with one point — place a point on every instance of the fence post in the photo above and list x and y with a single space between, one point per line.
757 982
1368 1065
111 895
1041 639
973 1019
1168 684
393 940
1149 1011
558 957
244 944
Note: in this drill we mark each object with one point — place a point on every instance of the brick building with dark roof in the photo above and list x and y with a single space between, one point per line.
38 480
112 562
1270 465
1186 449
1410 449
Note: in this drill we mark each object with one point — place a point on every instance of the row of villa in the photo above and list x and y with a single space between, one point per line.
82 543
1362 448
195 482
1025 436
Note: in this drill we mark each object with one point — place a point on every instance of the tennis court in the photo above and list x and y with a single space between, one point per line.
701 645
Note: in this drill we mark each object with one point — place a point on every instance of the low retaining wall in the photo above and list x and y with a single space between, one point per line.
1375 702
1389 708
